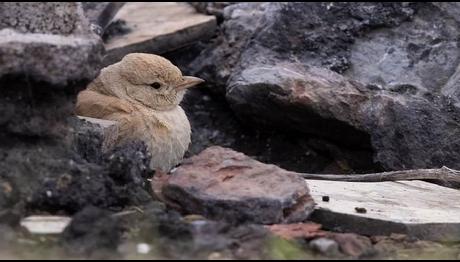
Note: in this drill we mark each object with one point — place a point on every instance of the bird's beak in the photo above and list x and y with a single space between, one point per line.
189 81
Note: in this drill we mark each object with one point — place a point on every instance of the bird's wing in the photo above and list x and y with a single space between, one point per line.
94 104
133 123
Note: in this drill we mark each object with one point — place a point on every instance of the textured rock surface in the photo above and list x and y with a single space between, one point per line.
49 160
212 8
49 18
47 54
257 33
399 94
299 230
405 130
69 176
329 243
325 246
180 237
101 13
428 214
49 42
92 230
223 184
214 123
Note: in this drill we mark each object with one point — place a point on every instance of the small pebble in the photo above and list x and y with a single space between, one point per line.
324 246
143 248
361 210
215 256
194 217
325 198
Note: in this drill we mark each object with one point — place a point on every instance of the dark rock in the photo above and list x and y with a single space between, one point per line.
92 231
66 176
255 33
214 123
179 238
49 42
354 245
399 96
69 193
117 27
43 18
47 54
297 231
7 237
56 59
312 100
89 139
325 246
406 131
101 13
112 180
35 108
240 242
160 224
212 8
416 57
217 62
210 184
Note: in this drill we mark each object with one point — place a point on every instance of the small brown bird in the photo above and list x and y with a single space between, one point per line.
142 93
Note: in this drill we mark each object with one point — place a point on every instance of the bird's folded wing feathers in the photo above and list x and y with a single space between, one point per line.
94 104
132 122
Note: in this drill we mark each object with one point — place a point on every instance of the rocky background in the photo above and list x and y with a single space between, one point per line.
310 87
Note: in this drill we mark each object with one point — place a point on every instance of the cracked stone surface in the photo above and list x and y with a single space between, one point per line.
382 76
220 183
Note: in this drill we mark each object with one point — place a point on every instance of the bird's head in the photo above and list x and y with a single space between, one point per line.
151 80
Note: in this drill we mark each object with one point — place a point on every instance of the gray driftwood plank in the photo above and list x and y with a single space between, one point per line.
420 209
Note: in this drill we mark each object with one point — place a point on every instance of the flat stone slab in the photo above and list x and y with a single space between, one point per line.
101 122
416 208
220 183
108 129
158 28
45 224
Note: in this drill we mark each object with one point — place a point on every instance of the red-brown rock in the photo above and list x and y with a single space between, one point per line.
298 230
220 183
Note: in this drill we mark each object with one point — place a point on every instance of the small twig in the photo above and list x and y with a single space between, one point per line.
139 209
443 174
124 213
128 212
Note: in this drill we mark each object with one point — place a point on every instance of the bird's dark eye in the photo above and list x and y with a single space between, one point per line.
155 85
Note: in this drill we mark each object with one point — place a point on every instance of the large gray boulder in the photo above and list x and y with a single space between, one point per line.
364 75
47 54
49 42
100 14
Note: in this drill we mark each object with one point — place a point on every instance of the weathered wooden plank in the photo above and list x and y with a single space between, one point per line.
158 28
419 209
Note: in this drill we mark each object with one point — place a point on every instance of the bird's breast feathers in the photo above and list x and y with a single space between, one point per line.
169 138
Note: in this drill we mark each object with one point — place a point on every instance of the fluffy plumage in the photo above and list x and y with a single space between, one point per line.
142 93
